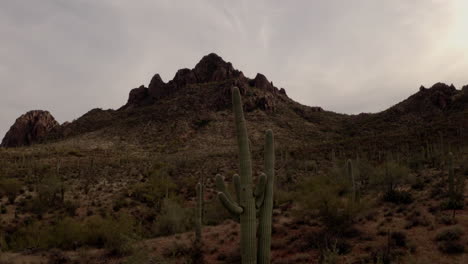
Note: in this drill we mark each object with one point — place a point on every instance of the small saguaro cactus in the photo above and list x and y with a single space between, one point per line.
451 179
351 178
248 199
198 214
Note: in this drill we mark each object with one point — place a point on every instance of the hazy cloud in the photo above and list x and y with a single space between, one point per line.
346 56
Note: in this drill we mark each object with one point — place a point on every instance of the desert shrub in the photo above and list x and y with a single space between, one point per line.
451 247
48 196
417 218
10 188
449 234
389 177
231 257
173 219
215 212
70 207
113 233
398 197
49 191
449 240
141 256
67 234
116 234
456 204
365 171
329 255
119 204
177 249
327 198
35 235
399 239
152 192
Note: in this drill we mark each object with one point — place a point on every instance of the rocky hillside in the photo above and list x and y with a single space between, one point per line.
118 186
192 110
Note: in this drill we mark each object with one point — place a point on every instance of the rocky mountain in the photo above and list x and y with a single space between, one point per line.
30 128
193 110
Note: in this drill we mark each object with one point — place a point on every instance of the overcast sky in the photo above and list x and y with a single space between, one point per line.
69 56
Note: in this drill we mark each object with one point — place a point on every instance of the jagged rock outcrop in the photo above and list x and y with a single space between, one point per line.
428 101
139 96
157 87
184 77
211 69
30 128
262 82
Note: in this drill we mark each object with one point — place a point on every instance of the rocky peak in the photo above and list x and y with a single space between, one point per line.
29 128
156 86
262 82
427 101
138 97
212 68
184 77
440 95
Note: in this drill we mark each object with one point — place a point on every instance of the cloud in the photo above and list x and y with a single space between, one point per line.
347 56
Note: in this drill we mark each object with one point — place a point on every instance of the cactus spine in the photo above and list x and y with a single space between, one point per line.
248 200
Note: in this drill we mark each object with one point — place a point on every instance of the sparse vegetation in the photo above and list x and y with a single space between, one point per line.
371 188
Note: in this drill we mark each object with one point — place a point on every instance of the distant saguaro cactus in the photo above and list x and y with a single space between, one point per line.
248 199
351 177
198 215
451 179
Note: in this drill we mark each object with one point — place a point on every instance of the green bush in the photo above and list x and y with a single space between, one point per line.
449 242
389 177
155 189
10 188
67 234
35 235
116 234
215 213
173 219
449 234
328 199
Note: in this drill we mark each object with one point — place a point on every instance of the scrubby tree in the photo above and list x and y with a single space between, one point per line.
10 188
389 177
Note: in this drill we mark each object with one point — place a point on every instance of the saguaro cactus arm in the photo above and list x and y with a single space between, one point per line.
231 206
221 187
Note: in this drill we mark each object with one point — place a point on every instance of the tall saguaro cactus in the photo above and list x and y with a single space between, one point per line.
248 199
266 209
